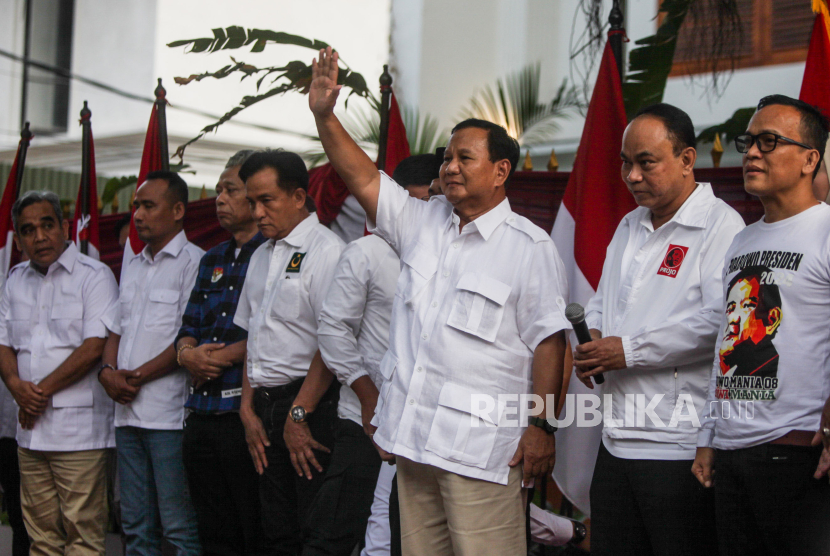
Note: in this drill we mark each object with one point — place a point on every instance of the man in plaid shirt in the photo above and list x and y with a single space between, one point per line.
221 474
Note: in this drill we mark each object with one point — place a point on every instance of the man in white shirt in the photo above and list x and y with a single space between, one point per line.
287 281
654 319
141 373
353 334
479 323
768 412
54 317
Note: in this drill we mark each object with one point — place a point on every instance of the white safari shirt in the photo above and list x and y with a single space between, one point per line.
154 295
281 300
47 317
660 292
354 323
471 307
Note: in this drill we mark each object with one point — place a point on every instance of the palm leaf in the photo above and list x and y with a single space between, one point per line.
513 103
731 128
234 37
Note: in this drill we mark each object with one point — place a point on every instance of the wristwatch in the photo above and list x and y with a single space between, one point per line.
543 424
298 414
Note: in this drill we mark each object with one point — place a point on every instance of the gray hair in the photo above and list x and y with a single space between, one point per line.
239 158
32 197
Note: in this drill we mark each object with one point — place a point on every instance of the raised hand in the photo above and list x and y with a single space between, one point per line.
322 94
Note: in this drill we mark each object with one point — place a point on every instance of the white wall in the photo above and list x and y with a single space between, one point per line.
11 40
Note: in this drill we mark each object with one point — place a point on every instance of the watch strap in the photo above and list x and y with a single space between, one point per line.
543 424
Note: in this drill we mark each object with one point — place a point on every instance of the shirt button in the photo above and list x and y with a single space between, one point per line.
224 314
425 336
205 296
411 401
511 219
420 369
435 304
446 273
231 288
455 246
204 393
214 338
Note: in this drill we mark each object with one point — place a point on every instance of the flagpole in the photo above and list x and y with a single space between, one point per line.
161 105
25 137
616 36
86 115
385 95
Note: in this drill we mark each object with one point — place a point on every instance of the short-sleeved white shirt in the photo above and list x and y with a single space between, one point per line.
471 308
154 295
281 300
47 317
354 323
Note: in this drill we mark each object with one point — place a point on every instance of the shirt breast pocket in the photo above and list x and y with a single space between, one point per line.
287 300
68 322
420 266
21 313
478 306
162 310
461 432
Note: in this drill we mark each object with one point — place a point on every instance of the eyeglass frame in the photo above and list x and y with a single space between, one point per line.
754 141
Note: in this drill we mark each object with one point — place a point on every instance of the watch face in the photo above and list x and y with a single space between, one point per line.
297 413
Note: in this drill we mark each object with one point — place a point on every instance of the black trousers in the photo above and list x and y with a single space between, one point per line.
649 507
286 497
10 481
336 522
768 502
224 485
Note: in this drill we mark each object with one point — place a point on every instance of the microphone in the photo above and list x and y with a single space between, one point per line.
575 314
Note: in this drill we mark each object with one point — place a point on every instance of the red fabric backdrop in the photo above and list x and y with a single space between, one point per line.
536 195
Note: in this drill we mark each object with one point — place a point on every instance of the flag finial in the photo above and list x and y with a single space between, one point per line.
26 134
86 113
160 91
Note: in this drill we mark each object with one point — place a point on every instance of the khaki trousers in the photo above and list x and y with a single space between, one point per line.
445 514
64 500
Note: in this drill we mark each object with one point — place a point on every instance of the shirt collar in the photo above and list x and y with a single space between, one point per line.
692 212
297 235
250 245
487 223
173 247
67 258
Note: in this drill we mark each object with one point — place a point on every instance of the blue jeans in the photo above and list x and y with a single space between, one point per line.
155 501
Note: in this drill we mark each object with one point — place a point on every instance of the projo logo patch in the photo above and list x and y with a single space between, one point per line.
675 255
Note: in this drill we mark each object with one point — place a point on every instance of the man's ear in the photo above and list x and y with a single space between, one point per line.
65 227
17 242
812 162
299 196
688 158
178 211
502 171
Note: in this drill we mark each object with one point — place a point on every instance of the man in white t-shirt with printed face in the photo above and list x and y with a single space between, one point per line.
766 428
654 319
141 373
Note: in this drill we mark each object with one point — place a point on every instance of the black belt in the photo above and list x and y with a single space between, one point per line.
273 393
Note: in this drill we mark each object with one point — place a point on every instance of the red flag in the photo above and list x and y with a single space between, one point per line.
85 225
151 161
815 86
595 201
9 255
330 192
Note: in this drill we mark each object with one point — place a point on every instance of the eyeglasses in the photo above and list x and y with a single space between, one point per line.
766 142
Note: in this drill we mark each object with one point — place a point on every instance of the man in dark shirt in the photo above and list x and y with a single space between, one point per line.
222 478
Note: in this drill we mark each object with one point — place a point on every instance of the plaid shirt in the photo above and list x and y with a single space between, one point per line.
209 319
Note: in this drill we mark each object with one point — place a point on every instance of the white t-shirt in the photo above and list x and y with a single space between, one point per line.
771 371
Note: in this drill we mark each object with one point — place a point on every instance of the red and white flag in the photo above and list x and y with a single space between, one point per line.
85 221
9 255
329 192
595 201
815 85
151 161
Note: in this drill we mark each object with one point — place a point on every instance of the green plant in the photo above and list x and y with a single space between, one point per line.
731 128
293 76
514 103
